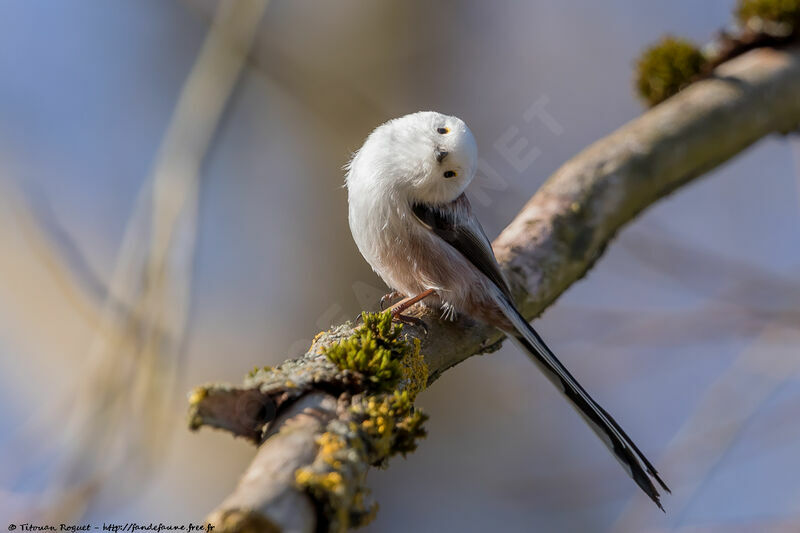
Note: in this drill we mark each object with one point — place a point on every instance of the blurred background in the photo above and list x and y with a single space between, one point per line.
172 215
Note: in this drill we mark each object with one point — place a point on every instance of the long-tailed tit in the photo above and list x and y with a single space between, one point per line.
414 225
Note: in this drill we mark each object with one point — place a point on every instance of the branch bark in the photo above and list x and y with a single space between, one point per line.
552 242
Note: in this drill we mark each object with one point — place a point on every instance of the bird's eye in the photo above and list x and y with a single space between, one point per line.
450 174
443 130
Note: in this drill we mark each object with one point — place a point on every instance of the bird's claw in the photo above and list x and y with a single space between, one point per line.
411 321
387 298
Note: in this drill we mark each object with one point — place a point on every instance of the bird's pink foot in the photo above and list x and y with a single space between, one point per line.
388 298
411 321
398 308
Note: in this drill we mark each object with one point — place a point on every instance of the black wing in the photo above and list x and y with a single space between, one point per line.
456 225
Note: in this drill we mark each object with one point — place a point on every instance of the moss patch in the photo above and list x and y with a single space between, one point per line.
375 350
667 67
755 13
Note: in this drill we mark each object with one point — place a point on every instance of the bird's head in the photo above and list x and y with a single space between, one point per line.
426 156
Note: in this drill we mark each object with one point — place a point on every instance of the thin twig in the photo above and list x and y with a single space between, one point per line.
119 419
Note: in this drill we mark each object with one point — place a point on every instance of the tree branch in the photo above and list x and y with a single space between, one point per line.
552 242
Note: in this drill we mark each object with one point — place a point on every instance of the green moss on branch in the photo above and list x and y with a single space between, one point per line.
670 65
756 13
376 350
667 67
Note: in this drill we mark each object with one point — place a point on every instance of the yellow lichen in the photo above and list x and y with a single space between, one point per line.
415 371
253 373
343 509
317 337
328 481
390 423
241 521
378 426
303 476
197 395
329 444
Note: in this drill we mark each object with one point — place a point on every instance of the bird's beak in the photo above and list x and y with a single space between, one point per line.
440 155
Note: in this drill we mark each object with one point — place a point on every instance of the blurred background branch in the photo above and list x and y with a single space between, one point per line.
115 427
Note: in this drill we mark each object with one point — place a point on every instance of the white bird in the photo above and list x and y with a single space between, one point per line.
413 224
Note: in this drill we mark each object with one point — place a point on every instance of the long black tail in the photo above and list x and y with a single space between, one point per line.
609 431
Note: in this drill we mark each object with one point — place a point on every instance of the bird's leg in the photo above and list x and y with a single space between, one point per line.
411 321
405 303
386 298
398 308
